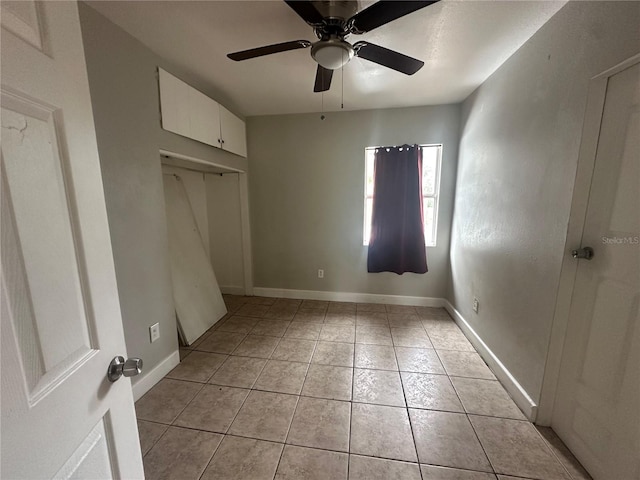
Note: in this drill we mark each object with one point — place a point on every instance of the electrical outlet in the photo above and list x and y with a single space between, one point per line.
154 332
476 304
320 273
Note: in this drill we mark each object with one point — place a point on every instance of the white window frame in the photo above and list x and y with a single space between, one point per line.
366 229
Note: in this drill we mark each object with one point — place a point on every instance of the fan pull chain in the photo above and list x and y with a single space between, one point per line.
322 117
342 93
342 83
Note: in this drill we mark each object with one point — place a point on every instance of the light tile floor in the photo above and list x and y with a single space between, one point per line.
294 390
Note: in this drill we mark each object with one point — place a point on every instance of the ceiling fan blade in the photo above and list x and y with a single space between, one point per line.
268 50
387 58
384 12
323 79
306 11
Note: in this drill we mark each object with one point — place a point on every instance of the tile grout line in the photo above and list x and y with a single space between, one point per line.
213 454
188 403
353 381
286 437
437 351
242 405
253 388
482 446
553 453
284 444
328 450
309 363
332 451
473 428
465 411
176 426
406 408
230 423
157 440
243 402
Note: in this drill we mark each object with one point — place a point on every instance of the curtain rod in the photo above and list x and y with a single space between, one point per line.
395 146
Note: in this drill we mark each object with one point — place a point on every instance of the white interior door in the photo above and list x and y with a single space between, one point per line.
61 322
598 396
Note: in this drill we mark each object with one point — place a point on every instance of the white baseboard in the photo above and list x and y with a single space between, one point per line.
232 290
152 377
349 297
508 381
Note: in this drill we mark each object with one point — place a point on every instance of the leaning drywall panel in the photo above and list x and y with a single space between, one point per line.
196 293
194 184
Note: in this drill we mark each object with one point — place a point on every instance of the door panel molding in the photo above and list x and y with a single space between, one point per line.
91 456
24 20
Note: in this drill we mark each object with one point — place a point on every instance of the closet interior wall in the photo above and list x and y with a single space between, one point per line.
225 230
215 200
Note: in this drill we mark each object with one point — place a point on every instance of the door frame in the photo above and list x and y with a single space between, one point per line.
243 181
582 186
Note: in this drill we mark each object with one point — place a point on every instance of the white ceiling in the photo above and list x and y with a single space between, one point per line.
462 42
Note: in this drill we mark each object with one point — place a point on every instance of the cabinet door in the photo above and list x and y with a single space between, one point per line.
234 134
204 118
174 101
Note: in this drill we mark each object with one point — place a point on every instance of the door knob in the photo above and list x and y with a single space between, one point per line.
586 253
119 367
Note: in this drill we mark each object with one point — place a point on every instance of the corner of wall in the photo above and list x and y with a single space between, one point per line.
508 381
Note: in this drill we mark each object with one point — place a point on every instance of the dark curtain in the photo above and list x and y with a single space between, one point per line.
397 230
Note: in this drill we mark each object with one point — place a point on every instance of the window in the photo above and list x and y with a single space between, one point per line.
431 159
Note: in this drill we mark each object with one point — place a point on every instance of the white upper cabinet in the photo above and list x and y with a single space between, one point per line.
190 113
233 132
174 99
204 118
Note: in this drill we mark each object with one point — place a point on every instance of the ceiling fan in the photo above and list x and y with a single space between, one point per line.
333 21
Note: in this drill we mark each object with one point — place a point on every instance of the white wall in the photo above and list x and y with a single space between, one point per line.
307 193
225 230
519 146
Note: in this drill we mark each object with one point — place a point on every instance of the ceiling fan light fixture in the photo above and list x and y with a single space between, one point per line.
332 21
332 54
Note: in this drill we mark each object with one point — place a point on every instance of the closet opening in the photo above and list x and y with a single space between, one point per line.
209 239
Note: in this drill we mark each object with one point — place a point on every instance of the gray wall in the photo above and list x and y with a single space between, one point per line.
306 191
124 95
519 146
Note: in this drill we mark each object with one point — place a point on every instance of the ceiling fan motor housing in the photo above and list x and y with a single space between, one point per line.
342 9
